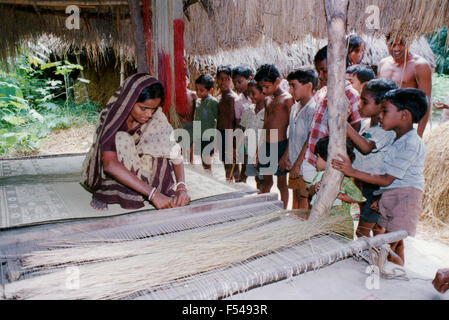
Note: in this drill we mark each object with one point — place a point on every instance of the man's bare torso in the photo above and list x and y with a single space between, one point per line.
403 74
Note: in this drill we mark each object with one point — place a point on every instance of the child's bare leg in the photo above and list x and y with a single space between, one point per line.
303 202
398 248
364 229
229 171
266 184
295 202
191 154
283 189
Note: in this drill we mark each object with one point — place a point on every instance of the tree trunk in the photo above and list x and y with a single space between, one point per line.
337 105
139 38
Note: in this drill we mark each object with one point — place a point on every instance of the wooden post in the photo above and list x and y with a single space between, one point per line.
337 105
138 34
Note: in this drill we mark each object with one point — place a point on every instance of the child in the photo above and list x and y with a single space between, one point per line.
356 50
319 122
207 113
240 77
226 123
276 119
349 193
358 75
187 119
253 121
402 184
302 85
372 145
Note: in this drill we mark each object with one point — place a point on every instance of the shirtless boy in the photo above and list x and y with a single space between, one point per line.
276 119
408 70
226 122
187 119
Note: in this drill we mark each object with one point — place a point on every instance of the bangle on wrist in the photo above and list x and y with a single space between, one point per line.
180 183
151 195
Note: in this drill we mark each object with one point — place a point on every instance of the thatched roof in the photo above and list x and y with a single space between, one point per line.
288 57
228 24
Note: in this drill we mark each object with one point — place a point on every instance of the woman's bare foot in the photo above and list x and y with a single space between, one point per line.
98 205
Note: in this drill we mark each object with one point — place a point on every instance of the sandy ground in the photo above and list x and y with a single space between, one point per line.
347 279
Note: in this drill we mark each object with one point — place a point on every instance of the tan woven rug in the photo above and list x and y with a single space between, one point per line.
36 190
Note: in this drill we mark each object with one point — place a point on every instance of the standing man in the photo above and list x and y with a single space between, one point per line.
408 70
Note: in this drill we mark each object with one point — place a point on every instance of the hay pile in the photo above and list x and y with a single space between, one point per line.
436 190
120 269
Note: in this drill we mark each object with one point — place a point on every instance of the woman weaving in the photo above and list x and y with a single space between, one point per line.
134 152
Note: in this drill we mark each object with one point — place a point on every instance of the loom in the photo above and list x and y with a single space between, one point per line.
207 215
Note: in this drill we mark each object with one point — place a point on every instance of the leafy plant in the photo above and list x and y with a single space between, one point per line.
33 101
437 42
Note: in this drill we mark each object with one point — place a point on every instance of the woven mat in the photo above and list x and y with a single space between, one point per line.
36 190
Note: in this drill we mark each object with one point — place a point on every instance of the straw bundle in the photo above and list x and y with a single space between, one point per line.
436 173
118 270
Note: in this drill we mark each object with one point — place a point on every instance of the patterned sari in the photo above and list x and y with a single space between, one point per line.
148 150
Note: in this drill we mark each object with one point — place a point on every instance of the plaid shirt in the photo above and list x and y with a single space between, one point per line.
319 123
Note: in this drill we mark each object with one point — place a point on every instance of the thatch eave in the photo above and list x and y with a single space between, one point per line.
232 24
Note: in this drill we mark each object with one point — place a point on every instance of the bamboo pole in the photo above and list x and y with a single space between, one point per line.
336 16
138 35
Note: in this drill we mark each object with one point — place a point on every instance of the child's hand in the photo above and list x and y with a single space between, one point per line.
294 172
284 164
344 165
375 206
256 159
315 188
439 105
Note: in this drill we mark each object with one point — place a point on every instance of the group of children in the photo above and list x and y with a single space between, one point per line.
286 133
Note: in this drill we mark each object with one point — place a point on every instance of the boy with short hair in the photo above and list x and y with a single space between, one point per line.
276 119
226 122
187 119
319 123
402 184
358 75
302 83
241 75
207 113
371 148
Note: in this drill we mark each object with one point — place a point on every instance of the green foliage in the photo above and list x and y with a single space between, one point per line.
437 42
440 92
31 102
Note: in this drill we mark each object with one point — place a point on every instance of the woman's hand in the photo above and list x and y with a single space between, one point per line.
161 201
181 198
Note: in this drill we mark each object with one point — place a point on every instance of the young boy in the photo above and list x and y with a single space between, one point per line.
276 119
240 77
187 119
358 75
402 184
303 83
319 122
226 122
253 121
207 113
371 146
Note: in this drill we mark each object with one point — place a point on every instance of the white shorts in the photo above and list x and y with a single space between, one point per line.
308 171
